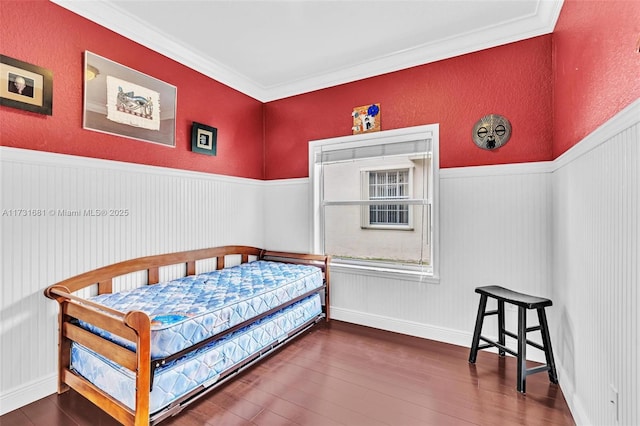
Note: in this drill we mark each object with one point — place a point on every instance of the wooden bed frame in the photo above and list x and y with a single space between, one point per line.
136 325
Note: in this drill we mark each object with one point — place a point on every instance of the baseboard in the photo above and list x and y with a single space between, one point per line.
578 412
28 393
410 328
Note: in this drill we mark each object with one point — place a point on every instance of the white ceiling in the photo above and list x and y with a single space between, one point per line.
274 49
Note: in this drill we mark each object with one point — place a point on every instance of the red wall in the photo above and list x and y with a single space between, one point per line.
584 73
57 39
596 66
513 80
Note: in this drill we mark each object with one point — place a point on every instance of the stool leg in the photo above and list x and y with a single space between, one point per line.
501 329
546 342
478 329
522 349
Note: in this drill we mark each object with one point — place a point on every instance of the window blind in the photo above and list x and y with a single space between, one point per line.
333 155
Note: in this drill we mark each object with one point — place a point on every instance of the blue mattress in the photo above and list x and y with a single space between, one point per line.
198 368
191 309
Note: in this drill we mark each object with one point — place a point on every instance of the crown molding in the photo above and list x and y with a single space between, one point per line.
109 15
542 22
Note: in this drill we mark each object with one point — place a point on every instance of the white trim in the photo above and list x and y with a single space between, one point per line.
115 18
580 415
540 23
623 120
28 393
374 271
497 170
19 155
411 328
294 181
406 134
108 14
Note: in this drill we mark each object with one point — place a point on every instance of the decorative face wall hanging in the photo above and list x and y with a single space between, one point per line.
491 131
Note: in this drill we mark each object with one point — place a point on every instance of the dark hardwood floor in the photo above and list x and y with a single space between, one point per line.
343 374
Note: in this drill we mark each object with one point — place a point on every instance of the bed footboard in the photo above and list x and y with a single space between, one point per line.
135 326
321 261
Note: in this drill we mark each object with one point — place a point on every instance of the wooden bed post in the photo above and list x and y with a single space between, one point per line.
140 323
64 344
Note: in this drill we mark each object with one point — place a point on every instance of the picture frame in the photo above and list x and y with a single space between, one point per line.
25 86
204 139
121 101
366 119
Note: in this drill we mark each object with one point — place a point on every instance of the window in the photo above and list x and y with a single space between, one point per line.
386 185
374 200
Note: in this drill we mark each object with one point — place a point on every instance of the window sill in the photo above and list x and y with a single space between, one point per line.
382 272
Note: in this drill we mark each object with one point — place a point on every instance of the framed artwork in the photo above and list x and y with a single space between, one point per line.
25 86
121 101
366 118
204 139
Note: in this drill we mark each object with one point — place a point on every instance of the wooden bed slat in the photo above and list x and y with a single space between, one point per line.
105 287
104 347
99 319
153 275
191 267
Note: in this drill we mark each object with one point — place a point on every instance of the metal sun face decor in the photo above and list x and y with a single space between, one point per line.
491 132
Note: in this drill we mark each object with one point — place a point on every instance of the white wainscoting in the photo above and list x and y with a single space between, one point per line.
53 227
596 235
287 215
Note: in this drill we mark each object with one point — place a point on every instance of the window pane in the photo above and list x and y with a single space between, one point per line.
393 214
345 238
385 185
363 216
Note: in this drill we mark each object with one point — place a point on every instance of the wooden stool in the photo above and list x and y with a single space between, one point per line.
524 302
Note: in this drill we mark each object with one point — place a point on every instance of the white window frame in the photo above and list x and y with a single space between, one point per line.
316 147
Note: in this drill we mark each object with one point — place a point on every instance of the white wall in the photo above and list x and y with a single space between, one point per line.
596 234
168 210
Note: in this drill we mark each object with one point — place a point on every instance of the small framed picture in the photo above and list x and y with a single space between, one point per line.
121 101
366 119
25 86
203 139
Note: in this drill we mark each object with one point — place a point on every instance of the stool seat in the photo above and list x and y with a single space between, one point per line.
523 302
513 297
